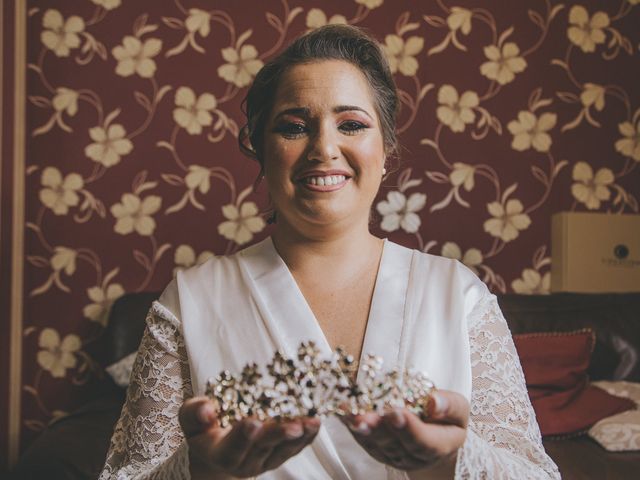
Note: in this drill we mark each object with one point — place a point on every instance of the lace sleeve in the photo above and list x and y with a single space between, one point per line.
503 439
148 442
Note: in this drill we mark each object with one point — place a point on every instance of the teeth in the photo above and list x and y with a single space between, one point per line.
328 180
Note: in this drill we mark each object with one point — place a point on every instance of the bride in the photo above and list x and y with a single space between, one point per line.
321 123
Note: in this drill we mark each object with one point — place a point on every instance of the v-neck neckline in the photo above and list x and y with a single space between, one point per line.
291 320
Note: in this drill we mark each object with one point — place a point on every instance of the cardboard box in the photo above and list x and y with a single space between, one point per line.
595 252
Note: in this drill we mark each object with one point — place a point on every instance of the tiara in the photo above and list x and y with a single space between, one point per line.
311 386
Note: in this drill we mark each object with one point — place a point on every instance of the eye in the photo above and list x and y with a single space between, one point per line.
351 127
291 130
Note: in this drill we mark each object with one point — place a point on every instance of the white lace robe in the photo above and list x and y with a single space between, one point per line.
427 312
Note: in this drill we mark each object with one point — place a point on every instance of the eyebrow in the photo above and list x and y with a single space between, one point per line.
305 112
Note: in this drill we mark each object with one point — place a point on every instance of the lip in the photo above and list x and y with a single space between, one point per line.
299 179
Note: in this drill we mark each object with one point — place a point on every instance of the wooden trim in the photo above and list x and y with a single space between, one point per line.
18 226
4 460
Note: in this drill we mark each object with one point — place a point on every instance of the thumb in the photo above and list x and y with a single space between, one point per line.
448 407
196 415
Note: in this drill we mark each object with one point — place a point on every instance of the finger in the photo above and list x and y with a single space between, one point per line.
234 447
281 453
272 435
425 441
196 415
362 425
402 444
448 407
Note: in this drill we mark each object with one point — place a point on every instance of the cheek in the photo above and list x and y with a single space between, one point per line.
280 156
370 156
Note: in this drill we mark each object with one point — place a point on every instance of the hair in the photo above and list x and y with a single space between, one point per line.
331 42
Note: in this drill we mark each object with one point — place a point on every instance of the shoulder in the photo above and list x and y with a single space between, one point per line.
207 282
458 280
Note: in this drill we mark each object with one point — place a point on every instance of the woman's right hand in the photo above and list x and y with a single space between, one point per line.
246 449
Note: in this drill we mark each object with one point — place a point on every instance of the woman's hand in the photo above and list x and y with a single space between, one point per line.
401 439
247 449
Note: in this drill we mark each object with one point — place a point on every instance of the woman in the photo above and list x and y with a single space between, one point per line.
321 121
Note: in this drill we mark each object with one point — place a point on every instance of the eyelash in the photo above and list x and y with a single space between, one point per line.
293 130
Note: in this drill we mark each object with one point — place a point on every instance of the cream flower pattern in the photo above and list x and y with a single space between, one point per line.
593 95
530 131
198 178
107 4
503 63
586 32
463 175
109 144
508 220
317 18
401 54
198 21
185 257
590 189
471 258
370 4
102 299
241 222
134 56
134 214
629 145
460 19
242 65
64 260
399 212
60 193
456 111
532 283
193 113
57 356
59 35
66 100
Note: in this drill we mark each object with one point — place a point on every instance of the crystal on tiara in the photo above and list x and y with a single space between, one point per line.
309 385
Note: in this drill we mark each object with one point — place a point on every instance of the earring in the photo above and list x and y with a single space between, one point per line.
384 171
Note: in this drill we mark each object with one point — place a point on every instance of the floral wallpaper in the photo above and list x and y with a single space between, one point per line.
511 111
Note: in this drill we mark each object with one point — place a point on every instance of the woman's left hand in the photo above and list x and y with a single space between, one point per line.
404 441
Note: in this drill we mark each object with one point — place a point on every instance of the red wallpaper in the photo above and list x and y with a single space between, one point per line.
511 111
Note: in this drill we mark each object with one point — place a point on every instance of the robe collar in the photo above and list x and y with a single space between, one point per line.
289 317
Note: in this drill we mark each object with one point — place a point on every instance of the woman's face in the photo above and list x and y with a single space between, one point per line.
323 146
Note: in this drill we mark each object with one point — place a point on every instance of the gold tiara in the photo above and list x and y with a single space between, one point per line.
310 386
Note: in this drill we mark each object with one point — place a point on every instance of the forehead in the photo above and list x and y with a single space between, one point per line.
326 83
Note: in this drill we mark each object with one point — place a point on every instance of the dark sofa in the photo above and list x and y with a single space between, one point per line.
75 446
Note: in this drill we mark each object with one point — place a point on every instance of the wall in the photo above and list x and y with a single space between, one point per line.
511 111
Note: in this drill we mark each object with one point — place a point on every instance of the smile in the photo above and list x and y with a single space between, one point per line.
327 181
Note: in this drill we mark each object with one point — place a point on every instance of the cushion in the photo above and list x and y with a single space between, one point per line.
613 317
555 369
621 432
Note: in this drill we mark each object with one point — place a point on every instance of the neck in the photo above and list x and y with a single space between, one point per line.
299 250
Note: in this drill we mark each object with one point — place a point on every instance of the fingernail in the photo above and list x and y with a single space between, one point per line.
397 419
294 431
252 428
206 413
441 404
361 428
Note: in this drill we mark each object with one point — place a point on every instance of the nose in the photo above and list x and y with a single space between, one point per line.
324 145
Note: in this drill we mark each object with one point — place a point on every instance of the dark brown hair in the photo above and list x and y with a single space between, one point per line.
331 42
